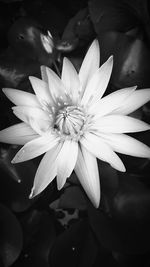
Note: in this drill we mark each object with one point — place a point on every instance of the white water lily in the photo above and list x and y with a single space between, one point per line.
70 121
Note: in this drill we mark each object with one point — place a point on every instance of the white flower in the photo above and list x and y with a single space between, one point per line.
69 121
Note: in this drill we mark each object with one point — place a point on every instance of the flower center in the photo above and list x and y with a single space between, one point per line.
70 121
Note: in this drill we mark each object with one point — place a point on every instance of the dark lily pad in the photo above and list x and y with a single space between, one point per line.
72 198
108 178
39 231
11 239
125 229
16 181
108 15
66 250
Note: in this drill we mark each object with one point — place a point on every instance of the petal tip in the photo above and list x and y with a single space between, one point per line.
32 194
17 158
122 169
60 182
96 204
31 78
42 67
59 186
119 167
65 59
4 90
13 161
96 43
148 154
94 198
111 59
47 69
34 79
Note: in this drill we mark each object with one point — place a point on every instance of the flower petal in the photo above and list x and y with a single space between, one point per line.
36 113
136 100
100 149
111 102
21 98
66 161
35 148
56 86
127 145
46 171
18 134
37 118
70 79
98 83
87 171
41 90
90 64
44 74
119 124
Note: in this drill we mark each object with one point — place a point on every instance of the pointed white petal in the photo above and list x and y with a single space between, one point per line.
119 124
66 161
98 83
111 102
36 113
70 79
86 170
46 171
44 74
102 150
41 90
18 134
35 148
136 100
90 64
56 86
127 145
21 98
37 118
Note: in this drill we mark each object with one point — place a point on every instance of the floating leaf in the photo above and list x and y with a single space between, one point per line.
132 201
11 239
109 15
126 228
77 33
16 181
108 178
72 198
39 237
66 250
89 251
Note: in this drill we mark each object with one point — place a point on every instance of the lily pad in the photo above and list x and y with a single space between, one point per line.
108 15
11 238
16 181
126 228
